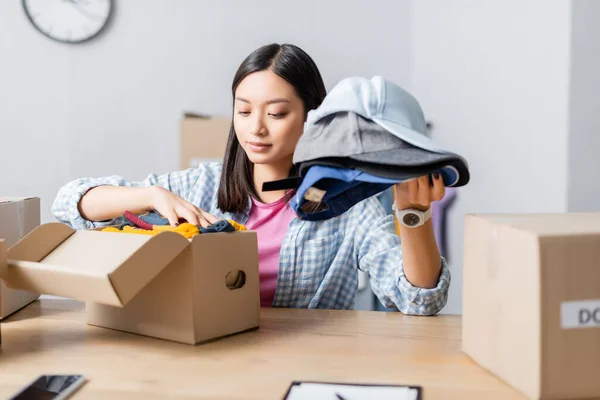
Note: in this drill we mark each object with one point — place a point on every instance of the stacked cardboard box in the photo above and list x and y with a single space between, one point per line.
18 216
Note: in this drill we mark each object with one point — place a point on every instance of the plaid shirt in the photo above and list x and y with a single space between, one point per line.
319 261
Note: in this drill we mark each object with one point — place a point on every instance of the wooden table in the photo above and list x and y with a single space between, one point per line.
51 337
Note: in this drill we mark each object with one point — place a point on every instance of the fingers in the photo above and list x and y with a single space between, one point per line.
189 215
196 211
439 189
209 217
175 208
204 223
424 191
193 217
204 219
172 216
413 190
420 191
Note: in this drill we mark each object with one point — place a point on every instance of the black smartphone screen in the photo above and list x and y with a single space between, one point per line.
51 387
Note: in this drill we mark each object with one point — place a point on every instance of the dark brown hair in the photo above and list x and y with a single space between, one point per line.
297 68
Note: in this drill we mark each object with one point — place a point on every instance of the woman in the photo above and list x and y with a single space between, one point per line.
302 264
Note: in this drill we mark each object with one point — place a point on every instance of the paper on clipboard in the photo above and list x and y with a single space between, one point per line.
336 391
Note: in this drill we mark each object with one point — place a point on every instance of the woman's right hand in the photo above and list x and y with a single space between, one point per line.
175 208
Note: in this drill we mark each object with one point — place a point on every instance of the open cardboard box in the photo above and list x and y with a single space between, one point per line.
165 286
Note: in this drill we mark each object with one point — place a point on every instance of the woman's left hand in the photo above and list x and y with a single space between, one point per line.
419 193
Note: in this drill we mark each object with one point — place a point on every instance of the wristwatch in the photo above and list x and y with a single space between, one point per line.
412 218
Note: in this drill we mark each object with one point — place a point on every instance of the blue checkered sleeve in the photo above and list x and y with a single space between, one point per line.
380 255
65 206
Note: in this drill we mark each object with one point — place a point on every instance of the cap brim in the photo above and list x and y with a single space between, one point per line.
450 174
406 157
413 160
408 135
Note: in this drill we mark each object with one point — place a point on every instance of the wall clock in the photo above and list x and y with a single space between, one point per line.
69 21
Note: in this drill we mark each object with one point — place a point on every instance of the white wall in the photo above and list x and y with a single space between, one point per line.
493 78
584 114
66 110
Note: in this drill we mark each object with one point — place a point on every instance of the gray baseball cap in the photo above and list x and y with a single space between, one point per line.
381 101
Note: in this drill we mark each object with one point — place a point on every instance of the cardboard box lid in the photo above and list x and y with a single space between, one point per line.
14 199
103 267
554 224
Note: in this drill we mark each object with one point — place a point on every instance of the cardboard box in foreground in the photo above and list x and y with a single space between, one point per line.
18 216
531 301
164 286
202 139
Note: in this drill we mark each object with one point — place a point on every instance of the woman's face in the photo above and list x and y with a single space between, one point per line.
268 118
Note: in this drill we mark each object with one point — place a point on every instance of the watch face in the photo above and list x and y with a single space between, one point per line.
411 219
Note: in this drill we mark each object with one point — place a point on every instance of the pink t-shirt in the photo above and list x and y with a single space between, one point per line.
270 221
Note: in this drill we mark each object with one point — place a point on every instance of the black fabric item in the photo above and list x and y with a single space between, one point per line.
282 184
219 226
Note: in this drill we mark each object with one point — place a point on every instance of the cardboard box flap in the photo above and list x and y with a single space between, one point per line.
38 243
557 224
103 267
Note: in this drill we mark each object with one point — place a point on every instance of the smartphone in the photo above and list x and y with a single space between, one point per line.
51 387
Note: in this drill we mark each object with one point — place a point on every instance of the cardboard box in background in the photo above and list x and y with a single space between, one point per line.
531 301
18 217
3 261
164 286
202 139
2 268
